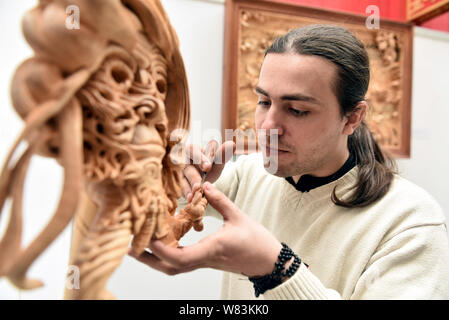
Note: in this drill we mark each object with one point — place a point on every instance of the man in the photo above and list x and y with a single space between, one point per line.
361 231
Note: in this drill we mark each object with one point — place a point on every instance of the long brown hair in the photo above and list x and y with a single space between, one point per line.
338 45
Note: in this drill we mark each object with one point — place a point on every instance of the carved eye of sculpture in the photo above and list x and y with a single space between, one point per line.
119 72
161 86
120 75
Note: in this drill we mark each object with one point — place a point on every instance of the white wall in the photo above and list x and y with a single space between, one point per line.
199 25
44 181
428 165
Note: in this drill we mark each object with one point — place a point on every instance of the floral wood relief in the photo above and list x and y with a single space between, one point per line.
388 94
422 10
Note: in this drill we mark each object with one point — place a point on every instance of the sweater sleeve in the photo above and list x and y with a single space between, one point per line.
413 264
302 286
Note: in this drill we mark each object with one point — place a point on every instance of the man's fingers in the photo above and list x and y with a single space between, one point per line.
194 153
192 175
154 262
224 152
222 155
212 161
211 149
186 189
201 161
197 157
220 202
188 258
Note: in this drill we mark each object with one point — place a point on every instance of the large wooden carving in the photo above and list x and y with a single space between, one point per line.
251 26
102 100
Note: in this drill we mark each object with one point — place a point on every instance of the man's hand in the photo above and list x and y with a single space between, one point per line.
241 246
211 160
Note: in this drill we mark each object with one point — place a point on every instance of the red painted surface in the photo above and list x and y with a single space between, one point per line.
388 9
440 23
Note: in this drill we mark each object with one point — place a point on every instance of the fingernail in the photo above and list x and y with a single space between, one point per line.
189 195
205 165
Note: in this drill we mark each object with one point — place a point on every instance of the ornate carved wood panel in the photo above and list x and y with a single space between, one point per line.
251 26
421 10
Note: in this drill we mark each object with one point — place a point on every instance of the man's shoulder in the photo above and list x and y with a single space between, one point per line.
403 187
414 201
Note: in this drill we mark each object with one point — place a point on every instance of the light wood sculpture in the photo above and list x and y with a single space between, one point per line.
102 100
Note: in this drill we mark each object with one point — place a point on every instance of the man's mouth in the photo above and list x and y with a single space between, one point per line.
270 150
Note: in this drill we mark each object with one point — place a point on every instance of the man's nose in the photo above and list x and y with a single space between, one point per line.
273 120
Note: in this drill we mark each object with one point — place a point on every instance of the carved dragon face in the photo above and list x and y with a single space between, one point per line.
125 125
123 68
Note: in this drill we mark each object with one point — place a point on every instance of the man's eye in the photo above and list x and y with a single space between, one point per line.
298 113
263 103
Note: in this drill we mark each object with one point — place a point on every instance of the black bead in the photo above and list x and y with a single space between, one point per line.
262 284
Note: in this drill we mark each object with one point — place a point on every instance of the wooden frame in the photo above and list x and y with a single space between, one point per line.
390 121
419 11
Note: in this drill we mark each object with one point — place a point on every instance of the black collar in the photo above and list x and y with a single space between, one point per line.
308 182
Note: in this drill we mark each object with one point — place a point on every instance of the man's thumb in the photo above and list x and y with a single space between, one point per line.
219 201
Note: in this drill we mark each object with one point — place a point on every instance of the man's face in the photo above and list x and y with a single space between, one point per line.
296 96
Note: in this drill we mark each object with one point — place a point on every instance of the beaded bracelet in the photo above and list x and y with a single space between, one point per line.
269 281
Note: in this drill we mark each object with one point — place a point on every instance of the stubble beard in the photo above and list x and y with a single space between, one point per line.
293 167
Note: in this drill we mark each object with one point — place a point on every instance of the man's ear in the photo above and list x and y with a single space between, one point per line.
355 118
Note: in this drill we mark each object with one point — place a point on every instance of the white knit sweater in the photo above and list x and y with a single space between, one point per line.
395 248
